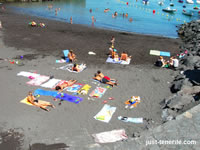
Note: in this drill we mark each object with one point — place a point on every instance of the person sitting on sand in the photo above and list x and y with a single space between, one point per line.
124 56
114 53
106 10
42 104
160 62
175 62
105 80
60 88
71 56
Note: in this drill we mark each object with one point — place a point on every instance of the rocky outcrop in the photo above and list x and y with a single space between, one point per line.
186 85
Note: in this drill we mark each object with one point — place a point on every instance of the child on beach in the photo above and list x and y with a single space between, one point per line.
132 102
71 56
42 104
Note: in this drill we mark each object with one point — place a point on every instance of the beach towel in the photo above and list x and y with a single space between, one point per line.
110 136
51 83
74 88
110 60
128 119
98 92
28 103
159 53
70 98
62 96
45 93
68 67
28 74
105 113
60 61
38 80
84 90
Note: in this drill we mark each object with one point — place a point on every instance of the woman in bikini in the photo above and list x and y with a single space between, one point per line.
42 104
60 88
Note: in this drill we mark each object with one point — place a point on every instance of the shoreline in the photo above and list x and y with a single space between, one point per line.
88 39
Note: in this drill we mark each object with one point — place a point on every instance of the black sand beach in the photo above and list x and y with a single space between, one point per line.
73 124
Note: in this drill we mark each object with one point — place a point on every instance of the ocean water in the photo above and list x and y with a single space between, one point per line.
144 21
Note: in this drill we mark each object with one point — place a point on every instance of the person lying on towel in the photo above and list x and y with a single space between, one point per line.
60 88
104 79
42 104
124 56
78 68
71 56
133 102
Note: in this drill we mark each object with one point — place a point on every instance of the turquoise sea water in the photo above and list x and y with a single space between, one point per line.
144 20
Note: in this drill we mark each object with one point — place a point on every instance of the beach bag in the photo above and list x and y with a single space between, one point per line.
159 63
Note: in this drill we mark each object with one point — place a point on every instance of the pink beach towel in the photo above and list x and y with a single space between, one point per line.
38 80
110 136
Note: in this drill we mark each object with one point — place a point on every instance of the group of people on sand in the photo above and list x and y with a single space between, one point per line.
99 76
173 62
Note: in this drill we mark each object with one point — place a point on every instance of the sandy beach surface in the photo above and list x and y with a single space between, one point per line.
69 123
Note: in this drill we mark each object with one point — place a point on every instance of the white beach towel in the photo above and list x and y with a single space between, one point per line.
51 83
68 67
105 113
38 80
110 60
28 74
110 136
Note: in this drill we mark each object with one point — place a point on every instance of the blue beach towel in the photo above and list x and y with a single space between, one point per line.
70 98
164 53
45 93
55 94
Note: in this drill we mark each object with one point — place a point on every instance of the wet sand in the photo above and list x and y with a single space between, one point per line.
73 124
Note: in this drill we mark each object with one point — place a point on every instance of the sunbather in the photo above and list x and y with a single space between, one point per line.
124 56
71 56
42 104
60 88
78 68
105 79
75 68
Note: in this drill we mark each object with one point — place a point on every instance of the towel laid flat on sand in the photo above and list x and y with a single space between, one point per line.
70 98
159 53
74 88
28 103
110 136
98 92
110 60
129 119
51 83
62 96
105 113
45 93
38 80
28 74
68 67
84 90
